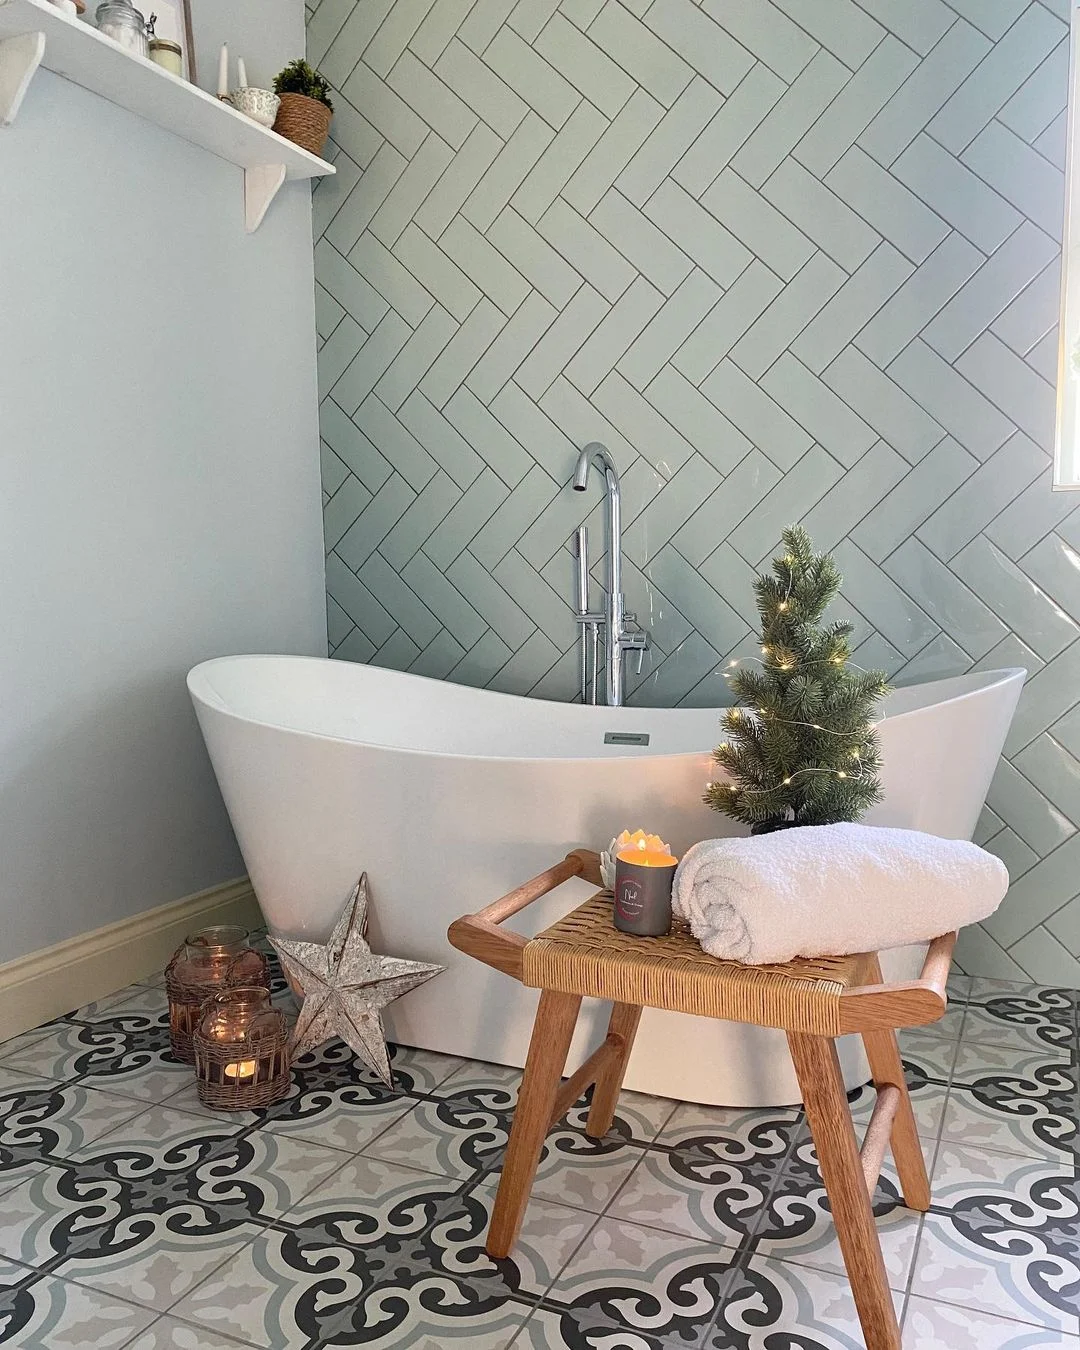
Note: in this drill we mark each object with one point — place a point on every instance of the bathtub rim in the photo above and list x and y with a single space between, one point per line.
985 681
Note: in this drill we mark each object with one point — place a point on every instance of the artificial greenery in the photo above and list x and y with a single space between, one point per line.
801 747
299 78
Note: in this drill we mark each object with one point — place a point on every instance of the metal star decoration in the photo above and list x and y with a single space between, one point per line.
345 986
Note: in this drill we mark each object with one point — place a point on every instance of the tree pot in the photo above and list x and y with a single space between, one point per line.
768 826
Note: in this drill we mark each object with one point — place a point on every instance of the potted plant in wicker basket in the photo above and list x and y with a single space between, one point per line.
305 112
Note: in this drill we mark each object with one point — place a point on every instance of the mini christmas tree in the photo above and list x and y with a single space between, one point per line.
801 749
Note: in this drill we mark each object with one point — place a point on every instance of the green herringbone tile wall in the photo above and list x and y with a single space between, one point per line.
791 261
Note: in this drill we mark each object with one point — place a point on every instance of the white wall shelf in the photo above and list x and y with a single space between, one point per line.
35 33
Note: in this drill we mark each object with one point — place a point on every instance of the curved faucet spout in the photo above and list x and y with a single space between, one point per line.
593 453
616 625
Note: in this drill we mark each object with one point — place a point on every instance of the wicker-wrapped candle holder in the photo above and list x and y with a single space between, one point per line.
241 1050
204 963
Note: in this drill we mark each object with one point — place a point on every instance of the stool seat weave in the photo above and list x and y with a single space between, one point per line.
584 953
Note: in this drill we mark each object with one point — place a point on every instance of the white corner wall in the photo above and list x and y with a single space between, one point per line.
159 486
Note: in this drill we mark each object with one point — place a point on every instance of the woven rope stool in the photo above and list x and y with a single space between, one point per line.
814 1001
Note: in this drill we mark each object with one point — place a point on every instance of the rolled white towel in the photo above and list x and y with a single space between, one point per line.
828 890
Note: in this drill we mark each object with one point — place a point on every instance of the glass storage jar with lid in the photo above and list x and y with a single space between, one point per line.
120 20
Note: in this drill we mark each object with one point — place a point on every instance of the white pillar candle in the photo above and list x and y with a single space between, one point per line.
223 71
241 70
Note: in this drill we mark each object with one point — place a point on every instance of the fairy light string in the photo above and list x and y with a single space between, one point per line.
784 782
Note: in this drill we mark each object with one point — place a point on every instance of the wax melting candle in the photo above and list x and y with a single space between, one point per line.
244 1069
644 870
648 857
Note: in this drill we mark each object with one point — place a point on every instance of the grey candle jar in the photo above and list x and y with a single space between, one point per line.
643 898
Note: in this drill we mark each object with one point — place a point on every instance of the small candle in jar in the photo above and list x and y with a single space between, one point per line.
244 1068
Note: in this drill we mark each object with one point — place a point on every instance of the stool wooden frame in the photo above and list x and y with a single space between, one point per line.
813 1001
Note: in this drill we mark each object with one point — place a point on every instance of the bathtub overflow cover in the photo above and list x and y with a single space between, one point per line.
626 738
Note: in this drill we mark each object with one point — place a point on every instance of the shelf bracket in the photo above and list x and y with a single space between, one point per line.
261 186
20 57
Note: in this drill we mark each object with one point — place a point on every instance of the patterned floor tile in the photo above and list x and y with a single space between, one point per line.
777 1304
14 1045
156 1081
355 1214
17 1092
58 1120
1026 1275
167 1333
926 1054
633 1286
463 1131
797 1224
381 1255
1052 999
551 1235
110 1049
135 999
943 1326
1013 1101
122 1191
345 1117
159 1258
50 1314
1033 1021
709 1173
155 1141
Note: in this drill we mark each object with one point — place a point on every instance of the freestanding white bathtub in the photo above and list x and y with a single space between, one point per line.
449 796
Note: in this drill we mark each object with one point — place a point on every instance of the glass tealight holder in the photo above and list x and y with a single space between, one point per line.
205 962
241 1050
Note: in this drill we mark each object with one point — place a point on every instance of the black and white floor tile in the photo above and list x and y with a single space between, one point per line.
354 1215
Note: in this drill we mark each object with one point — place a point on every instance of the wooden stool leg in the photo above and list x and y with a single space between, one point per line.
887 1067
822 1084
623 1024
556 1016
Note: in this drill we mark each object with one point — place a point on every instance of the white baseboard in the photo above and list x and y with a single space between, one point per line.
42 985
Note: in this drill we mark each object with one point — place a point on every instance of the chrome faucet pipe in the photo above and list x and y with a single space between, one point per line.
595 453
581 552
